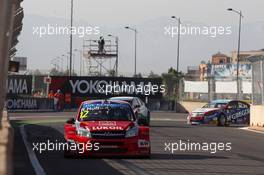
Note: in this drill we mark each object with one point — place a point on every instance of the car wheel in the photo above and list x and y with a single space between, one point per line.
222 120
147 156
247 121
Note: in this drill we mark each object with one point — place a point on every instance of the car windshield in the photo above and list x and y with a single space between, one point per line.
106 112
214 105
124 99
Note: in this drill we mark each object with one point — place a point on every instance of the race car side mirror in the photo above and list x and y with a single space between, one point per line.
70 121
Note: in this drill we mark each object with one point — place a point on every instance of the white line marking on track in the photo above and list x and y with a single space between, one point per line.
32 156
252 130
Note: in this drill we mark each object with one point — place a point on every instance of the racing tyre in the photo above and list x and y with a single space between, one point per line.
222 120
147 156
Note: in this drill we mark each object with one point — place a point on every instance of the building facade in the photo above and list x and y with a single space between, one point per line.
243 55
220 58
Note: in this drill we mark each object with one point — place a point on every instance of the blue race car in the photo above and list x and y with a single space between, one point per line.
221 113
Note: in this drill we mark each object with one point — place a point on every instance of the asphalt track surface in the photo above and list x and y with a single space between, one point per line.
245 157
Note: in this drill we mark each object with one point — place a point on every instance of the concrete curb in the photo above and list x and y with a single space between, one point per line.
256 128
6 146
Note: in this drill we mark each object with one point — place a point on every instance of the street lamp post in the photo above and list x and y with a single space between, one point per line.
239 12
135 30
72 60
178 46
178 60
70 71
116 41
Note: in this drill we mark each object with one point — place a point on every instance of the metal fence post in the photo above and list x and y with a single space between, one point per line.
261 75
181 89
252 84
211 89
240 85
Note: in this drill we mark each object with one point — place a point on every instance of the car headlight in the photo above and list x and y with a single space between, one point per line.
195 114
84 132
132 132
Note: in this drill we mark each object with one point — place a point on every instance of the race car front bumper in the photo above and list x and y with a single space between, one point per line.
202 120
196 120
111 147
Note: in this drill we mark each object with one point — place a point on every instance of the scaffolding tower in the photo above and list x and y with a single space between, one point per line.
100 63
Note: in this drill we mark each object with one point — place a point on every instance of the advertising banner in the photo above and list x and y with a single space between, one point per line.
230 70
19 85
107 86
28 103
196 86
226 87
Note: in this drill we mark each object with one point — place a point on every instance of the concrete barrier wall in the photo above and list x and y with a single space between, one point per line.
6 146
256 115
7 9
189 106
7 35
17 103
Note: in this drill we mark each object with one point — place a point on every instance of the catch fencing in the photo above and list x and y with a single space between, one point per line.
215 88
258 82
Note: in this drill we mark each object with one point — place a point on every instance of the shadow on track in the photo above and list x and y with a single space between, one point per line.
53 162
157 156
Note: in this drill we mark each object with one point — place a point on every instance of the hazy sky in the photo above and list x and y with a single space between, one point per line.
137 11
149 16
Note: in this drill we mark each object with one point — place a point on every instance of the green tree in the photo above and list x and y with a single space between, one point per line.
171 82
139 75
55 72
153 75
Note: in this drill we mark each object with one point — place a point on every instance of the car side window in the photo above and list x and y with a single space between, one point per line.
232 105
140 102
134 103
143 103
242 105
